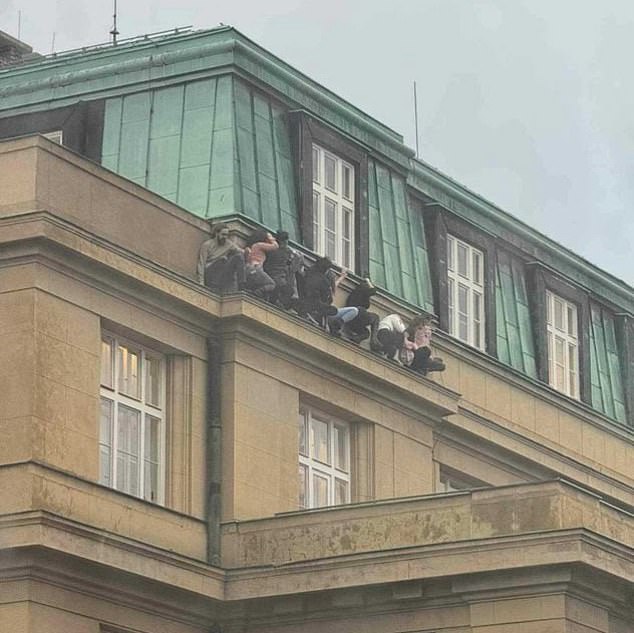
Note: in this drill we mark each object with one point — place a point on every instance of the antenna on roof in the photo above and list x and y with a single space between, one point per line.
114 31
416 118
53 43
19 24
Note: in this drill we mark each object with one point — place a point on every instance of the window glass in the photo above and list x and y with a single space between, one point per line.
105 441
320 490
303 449
324 468
107 364
153 381
319 440
316 164
128 449
330 169
462 259
346 185
129 372
131 436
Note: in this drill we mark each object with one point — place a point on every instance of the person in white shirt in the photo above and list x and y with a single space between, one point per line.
411 343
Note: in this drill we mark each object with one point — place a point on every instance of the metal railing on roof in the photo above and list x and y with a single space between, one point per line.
105 46
165 34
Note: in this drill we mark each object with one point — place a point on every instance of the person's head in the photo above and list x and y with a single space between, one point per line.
281 237
261 235
368 286
220 232
419 321
322 264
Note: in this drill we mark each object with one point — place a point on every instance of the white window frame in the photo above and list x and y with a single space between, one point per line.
328 468
111 392
336 241
466 283
57 136
562 332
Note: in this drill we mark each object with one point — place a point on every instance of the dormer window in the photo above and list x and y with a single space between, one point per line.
465 289
563 344
333 207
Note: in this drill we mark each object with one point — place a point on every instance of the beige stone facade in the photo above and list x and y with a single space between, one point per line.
545 543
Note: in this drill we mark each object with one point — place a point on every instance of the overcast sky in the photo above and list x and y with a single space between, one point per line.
526 102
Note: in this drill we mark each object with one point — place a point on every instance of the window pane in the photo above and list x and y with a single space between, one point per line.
341 491
319 441
331 172
572 370
331 225
303 487
477 267
153 381
572 321
450 291
341 447
559 314
151 450
347 182
107 366
105 442
303 449
316 222
347 223
462 260
331 215
549 308
316 165
450 252
128 440
320 490
560 379
463 320
129 365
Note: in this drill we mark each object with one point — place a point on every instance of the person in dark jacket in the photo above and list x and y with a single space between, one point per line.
319 285
365 324
283 266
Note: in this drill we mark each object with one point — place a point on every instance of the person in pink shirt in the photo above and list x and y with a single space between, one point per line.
416 351
257 280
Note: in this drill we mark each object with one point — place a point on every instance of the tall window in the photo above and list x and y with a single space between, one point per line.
333 207
465 272
324 460
563 345
132 427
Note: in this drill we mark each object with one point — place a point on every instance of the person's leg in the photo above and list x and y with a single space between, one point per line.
421 358
236 271
374 325
258 282
347 314
216 274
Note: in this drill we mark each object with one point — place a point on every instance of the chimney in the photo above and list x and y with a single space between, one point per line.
13 51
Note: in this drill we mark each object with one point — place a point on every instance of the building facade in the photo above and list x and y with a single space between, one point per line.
182 462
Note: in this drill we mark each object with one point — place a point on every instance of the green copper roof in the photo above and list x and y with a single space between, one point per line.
213 146
515 344
398 250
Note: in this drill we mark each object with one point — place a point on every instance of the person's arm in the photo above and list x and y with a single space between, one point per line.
340 277
268 246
